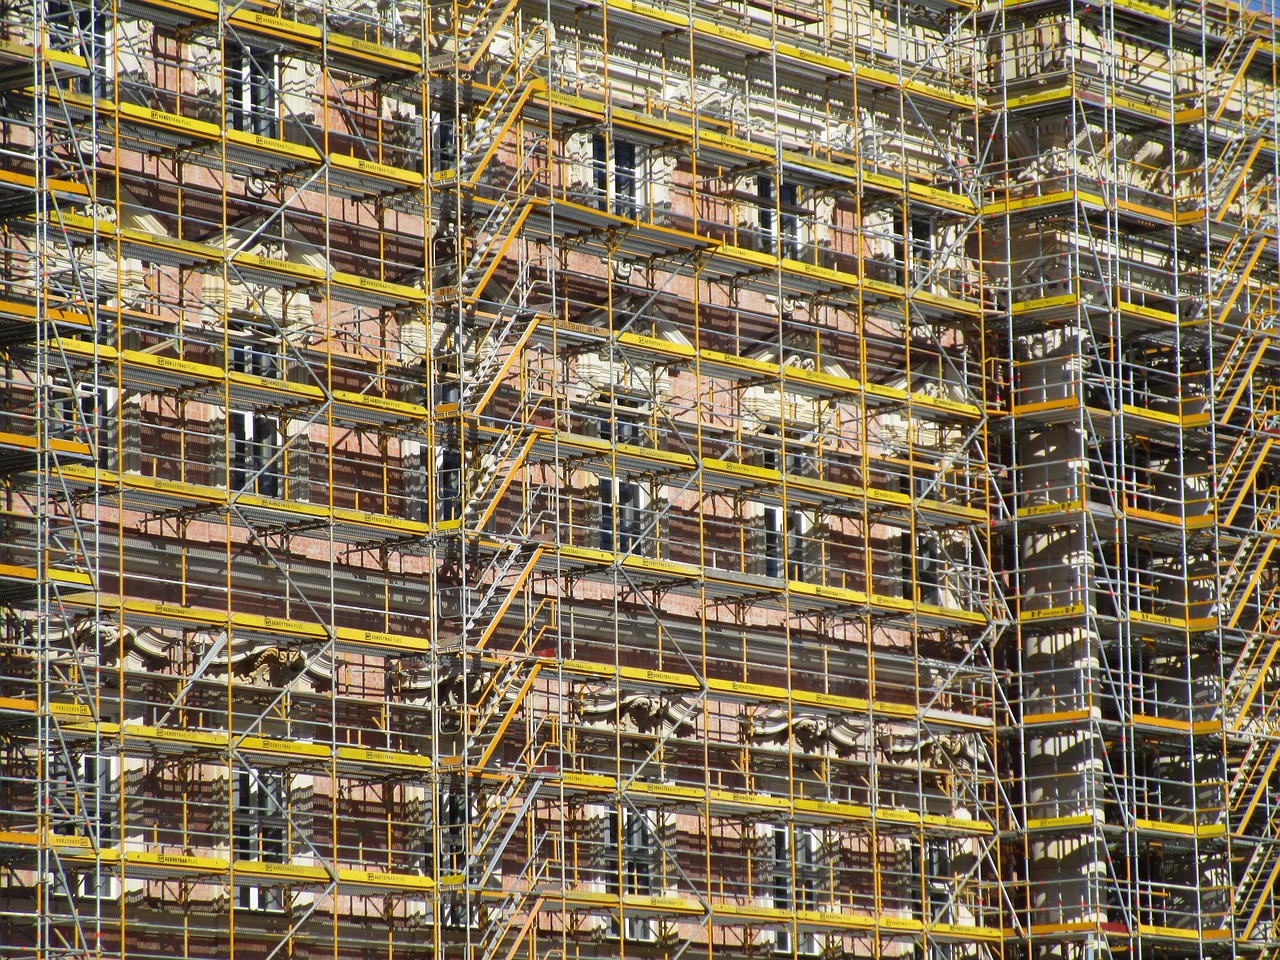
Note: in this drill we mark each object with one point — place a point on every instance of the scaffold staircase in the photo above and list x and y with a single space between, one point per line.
1250 127
1232 63
478 24
1253 892
494 235
1248 810
1237 478
504 105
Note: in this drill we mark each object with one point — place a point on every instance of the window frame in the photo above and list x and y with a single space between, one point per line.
616 181
260 802
251 89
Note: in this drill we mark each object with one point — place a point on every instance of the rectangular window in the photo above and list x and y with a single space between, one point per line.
789 222
607 539
779 221
446 849
449 484
629 867
624 179
928 569
84 413
600 171
261 826
921 250
255 445
255 437
934 863
797 525
625 423
796 877
82 31
615 166
784 546
444 152
85 803
630 518
453 820
622 519
764 190
913 248
252 79
772 542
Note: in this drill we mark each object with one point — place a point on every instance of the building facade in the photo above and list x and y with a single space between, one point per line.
638 478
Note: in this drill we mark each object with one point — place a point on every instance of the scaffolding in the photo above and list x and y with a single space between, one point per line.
1136 231
510 479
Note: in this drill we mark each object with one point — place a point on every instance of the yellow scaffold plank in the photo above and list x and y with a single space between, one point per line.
712 146
140 492
143 740
1198 728
1202 830
142 863
18 54
61 189
753 44
355 881
278 874
747 692
154 613
1177 933
358 177
737 914
368 58
176 13
11 309
17 705
12 571
51 444
1080 821
299 35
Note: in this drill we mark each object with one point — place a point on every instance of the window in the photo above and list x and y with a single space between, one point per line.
624 179
255 443
444 150
1100 478
784 545
1137 476
772 542
414 472
928 569
261 825
448 463
780 227
795 463
624 423
919 571
252 79
1141 586
449 484
255 437
796 875
80 31
921 249
913 248
446 849
451 846
1099 374
83 413
85 801
629 867
615 175
934 866
621 516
